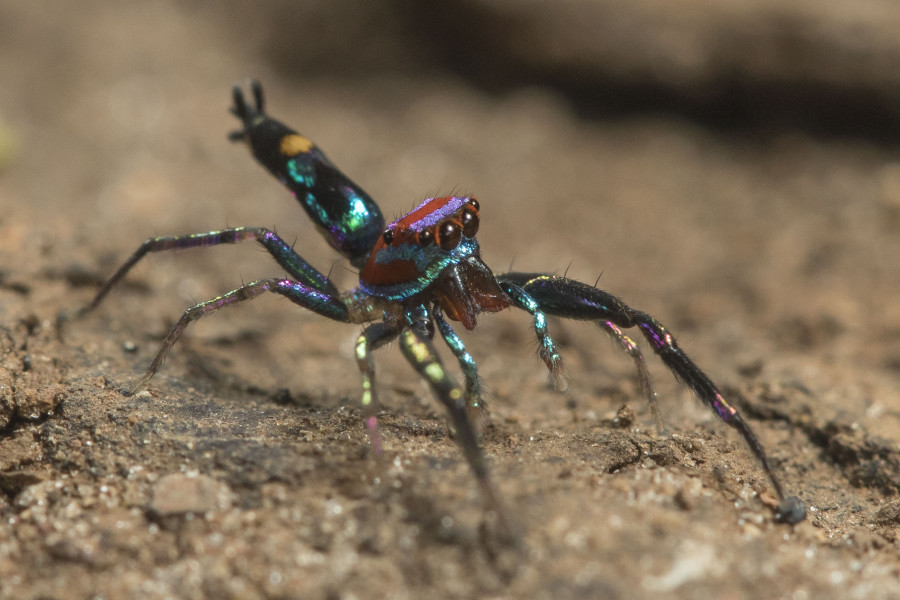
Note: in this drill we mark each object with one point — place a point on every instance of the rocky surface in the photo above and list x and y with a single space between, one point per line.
636 143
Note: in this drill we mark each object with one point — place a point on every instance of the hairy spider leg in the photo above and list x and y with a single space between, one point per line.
419 351
474 401
295 266
572 299
527 303
315 300
372 338
546 346
643 374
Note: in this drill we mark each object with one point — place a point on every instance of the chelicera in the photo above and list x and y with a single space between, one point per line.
416 275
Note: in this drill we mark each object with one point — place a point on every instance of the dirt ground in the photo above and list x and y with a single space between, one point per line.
243 471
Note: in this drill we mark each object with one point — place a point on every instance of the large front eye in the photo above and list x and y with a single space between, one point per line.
449 234
469 223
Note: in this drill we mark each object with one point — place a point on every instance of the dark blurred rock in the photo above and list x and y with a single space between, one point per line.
798 64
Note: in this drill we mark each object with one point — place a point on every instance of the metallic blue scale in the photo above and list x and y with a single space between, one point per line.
466 363
430 261
302 170
547 348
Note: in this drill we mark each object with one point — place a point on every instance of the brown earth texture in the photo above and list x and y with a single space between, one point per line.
731 168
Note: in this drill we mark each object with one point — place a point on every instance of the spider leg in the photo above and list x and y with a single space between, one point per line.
373 337
644 378
315 300
295 266
575 300
474 402
420 353
546 346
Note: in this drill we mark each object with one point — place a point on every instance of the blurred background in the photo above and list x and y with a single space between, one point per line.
732 168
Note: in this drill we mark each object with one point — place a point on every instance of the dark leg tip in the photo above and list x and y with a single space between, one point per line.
791 511
256 88
62 318
240 107
244 112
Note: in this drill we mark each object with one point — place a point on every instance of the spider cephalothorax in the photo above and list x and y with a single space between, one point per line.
432 254
412 272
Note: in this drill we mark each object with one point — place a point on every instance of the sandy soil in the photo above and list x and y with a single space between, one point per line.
242 471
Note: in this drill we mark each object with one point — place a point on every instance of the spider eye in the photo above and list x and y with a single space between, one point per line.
469 223
388 236
474 203
425 237
449 235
